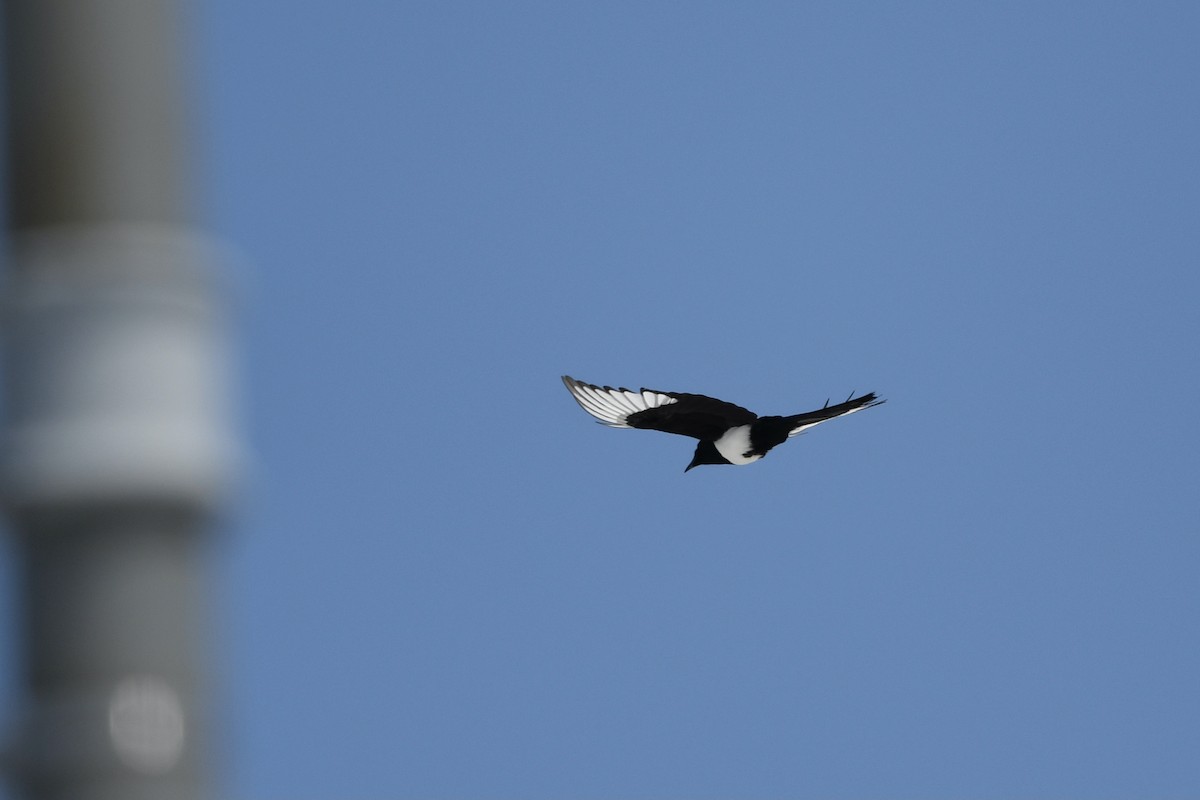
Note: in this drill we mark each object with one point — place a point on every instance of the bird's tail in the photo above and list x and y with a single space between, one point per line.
802 422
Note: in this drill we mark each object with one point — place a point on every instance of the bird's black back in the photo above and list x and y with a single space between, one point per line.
694 415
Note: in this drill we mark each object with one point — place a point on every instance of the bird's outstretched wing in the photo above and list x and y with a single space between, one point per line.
800 422
692 415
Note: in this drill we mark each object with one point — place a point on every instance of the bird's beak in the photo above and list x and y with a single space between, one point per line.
693 464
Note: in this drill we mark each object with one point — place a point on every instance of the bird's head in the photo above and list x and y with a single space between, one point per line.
706 453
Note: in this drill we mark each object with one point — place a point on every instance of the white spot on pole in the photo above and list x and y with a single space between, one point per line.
146 725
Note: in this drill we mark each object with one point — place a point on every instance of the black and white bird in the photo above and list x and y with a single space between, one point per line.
728 434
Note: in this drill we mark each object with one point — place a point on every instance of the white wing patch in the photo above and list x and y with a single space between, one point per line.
613 406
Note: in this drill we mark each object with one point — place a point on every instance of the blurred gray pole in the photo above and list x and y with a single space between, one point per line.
115 448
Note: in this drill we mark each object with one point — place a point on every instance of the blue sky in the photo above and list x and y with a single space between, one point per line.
446 581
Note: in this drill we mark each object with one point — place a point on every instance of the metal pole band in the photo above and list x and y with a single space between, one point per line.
116 368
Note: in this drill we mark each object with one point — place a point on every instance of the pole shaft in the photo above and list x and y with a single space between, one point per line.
97 122
115 448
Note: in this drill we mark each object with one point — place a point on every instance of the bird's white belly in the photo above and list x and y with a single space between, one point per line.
734 445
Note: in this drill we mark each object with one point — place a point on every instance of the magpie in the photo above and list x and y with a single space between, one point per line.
728 434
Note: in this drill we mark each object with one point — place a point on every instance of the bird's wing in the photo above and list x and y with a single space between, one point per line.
612 406
801 422
649 409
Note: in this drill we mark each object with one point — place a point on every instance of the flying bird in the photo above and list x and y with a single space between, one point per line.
728 434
